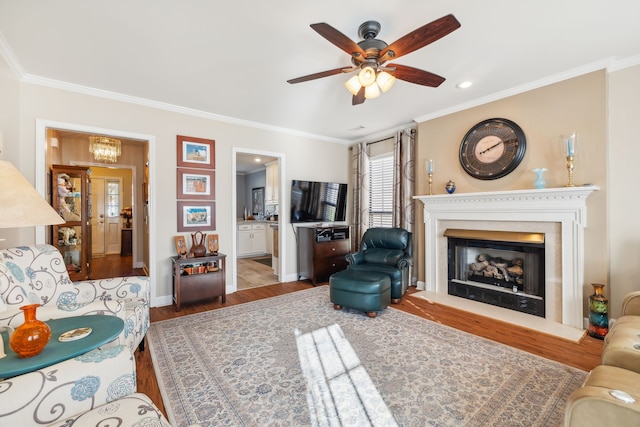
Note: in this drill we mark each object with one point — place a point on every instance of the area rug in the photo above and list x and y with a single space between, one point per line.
264 261
239 366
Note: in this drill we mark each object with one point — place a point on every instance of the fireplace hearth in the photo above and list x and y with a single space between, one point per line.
505 269
560 214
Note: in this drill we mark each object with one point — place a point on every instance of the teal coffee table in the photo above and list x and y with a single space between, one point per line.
103 330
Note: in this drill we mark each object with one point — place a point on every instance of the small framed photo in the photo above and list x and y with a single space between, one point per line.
196 184
257 200
212 243
196 152
181 245
196 216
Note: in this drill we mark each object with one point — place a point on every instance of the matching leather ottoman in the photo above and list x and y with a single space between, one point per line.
610 396
366 291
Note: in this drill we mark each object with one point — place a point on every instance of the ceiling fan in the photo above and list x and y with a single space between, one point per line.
369 57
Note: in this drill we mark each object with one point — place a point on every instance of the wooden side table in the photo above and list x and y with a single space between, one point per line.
197 279
126 242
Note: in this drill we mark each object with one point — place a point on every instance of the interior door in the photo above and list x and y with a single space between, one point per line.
98 217
105 222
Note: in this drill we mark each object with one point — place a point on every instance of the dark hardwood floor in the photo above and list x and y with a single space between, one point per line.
113 266
584 355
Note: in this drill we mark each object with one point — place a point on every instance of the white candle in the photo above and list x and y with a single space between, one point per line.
430 166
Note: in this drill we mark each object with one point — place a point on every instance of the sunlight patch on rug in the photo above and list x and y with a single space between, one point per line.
239 366
339 389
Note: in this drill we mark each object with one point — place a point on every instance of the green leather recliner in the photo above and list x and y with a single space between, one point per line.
389 251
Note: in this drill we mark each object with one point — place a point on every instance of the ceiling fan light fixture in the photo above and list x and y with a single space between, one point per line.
385 81
367 76
371 92
353 85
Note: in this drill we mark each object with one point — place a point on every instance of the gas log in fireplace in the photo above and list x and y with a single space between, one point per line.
505 269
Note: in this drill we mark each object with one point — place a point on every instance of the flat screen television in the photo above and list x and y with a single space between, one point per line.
313 201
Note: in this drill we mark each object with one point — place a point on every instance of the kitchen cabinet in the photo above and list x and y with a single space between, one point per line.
71 198
252 238
271 189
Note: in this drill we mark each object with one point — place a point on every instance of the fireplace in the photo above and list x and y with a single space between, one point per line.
505 269
559 214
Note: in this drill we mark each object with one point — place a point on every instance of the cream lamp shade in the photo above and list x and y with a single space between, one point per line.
20 204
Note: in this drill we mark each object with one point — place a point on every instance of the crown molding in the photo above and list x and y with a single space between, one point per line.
608 64
7 53
86 90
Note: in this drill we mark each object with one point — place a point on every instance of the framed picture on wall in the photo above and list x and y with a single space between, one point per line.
257 200
196 152
196 216
196 184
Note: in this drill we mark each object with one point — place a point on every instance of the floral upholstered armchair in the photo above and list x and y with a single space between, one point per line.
37 275
96 388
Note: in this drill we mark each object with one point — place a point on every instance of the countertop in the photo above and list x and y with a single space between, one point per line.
253 221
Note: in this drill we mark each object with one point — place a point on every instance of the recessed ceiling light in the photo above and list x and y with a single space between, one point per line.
464 85
257 160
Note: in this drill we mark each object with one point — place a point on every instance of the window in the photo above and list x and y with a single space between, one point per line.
113 199
381 191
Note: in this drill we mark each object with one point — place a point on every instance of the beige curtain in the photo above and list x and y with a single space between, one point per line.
360 178
404 185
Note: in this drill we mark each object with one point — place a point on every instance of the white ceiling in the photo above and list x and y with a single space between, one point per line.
231 60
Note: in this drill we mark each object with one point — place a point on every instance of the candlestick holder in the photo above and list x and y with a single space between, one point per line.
570 171
430 183
569 145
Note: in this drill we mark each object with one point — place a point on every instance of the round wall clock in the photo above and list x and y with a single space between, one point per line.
492 149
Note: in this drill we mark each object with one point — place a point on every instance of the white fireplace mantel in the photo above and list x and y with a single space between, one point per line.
565 206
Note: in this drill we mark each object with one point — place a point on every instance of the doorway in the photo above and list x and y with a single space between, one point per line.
109 197
248 162
141 165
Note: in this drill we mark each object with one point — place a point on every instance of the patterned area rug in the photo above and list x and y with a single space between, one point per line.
239 366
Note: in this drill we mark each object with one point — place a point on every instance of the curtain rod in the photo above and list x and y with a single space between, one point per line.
411 130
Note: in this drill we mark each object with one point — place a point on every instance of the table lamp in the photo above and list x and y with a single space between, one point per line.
20 204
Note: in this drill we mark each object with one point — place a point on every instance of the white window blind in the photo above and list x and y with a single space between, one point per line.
381 191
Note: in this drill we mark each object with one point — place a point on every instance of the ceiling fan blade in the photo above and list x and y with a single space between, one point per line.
414 75
359 98
337 38
317 75
422 36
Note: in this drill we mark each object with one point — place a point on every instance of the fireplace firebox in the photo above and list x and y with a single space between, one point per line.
504 269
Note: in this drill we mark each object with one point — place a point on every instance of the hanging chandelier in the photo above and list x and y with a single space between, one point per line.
105 149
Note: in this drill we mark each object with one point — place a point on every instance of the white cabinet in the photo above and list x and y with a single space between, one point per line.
252 239
271 189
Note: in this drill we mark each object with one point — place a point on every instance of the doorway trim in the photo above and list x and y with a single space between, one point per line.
41 178
282 207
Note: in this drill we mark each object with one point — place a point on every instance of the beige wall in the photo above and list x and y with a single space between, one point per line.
623 203
544 114
305 158
9 130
